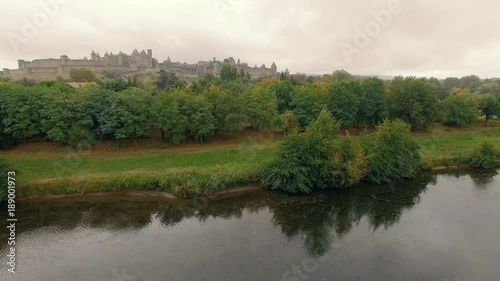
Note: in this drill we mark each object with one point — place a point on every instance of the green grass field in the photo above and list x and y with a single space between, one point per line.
45 165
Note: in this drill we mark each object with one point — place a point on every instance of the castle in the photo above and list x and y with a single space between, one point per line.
135 63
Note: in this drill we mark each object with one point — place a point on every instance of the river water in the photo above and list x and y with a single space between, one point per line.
437 227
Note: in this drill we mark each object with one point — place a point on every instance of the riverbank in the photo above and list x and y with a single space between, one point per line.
194 170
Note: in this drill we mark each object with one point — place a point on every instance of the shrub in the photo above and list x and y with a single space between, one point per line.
325 126
485 157
391 153
290 123
349 163
301 165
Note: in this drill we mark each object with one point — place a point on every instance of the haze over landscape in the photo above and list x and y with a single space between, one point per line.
422 38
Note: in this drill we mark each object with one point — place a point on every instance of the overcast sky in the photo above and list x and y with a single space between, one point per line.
420 37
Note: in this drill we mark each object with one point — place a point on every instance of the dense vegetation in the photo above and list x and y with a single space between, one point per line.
210 106
179 111
319 159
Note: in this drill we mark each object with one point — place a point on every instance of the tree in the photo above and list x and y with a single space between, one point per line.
391 152
413 100
302 164
290 123
308 102
198 110
342 76
460 110
372 102
343 101
228 110
470 82
325 126
490 106
169 118
284 91
82 75
168 80
261 108
228 73
127 115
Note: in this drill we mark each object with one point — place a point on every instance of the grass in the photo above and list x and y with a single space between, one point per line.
191 170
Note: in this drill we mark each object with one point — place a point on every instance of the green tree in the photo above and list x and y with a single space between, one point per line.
391 152
308 102
169 117
325 126
413 100
127 115
490 106
168 80
261 108
228 73
459 110
228 110
343 101
290 123
284 91
349 163
302 164
372 102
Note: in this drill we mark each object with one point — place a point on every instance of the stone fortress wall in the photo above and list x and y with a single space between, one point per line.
135 63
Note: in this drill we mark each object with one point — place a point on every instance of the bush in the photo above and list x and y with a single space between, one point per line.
485 157
391 153
301 165
290 123
349 163
325 126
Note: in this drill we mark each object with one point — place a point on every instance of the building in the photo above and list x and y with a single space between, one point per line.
135 63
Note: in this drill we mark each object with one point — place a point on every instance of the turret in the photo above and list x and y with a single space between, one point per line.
20 64
150 53
274 69
93 55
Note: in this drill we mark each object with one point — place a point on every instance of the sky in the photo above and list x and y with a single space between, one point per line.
365 37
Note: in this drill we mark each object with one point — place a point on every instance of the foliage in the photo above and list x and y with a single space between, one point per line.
228 110
413 100
308 102
391 152
490 106
261 108
228 72
349 163
169 118
372 102
168 80
302 164
485 157
290 123
343 101
324 127
459 110
284 91
82 75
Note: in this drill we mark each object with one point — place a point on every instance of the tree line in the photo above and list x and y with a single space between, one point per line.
212 106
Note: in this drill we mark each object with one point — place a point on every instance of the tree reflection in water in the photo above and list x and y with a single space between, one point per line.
318 219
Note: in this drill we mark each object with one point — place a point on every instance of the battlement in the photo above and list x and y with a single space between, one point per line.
137 62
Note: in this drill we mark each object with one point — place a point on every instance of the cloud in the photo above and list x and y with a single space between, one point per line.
440 38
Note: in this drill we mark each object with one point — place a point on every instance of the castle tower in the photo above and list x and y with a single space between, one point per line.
20 64
274 69
287 72
150 53
93 55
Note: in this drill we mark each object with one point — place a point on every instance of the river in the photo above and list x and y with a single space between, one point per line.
437 227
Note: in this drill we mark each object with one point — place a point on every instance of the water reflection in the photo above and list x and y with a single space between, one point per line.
316 219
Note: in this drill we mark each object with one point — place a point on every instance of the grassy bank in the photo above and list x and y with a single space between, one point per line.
193 170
